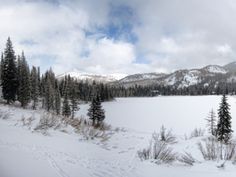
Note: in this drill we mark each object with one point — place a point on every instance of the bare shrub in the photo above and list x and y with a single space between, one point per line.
187 159
210 150
77 123
47 120
229 151
145 153
197 132
27 121
5 115
158 150
104 126
167 136
213 150
90 133
84 127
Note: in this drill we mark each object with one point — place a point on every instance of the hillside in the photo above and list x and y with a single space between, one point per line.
178 79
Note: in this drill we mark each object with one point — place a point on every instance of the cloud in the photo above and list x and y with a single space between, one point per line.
120 36
177 34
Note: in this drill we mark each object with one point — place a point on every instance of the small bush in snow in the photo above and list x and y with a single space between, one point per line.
197 132
47 120
229 151
214 150
167 136
187 159
5 115
210 150
27 121
158 150
89 132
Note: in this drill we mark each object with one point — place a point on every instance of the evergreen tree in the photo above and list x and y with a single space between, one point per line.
95 112
224 123
74 99
24 81
58 102
100 111
9 73
48 92
34 87
48 96
211 123
92 111
1 66
66 111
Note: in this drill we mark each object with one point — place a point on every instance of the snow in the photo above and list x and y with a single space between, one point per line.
140 77
191 78
180 113
26 153
97 77
215 69
171 80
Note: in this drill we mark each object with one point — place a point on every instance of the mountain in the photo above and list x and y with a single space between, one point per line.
179 78
140 79
231 67
92 77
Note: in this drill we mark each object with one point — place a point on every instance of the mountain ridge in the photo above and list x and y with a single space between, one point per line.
179 78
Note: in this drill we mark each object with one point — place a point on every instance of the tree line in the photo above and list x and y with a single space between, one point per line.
27 85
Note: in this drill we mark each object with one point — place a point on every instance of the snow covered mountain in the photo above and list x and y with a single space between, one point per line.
142 79
231 67
179 78
93 77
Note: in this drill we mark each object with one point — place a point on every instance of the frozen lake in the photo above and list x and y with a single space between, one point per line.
180 113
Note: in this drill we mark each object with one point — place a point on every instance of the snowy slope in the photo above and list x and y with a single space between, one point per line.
141 77
215 69
231 67
93 77
179 78
26 153
183 78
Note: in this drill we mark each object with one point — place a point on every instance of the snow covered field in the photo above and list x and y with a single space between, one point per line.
180 113
26 153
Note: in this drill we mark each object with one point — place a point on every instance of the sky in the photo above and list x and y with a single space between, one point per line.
120 36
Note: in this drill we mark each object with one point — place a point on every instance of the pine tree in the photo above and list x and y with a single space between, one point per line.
48 95
1 66
24 81
9 74
211 123
224 123
95 112
74 99
34 87
92 111
57 99
66 111
100 112
58 102
48 91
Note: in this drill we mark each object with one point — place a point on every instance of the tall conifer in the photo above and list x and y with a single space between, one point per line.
9 73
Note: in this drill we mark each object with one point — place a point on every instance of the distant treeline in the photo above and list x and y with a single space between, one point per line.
27 85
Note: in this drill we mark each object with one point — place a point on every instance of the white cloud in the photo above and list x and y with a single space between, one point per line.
171 34
177 34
